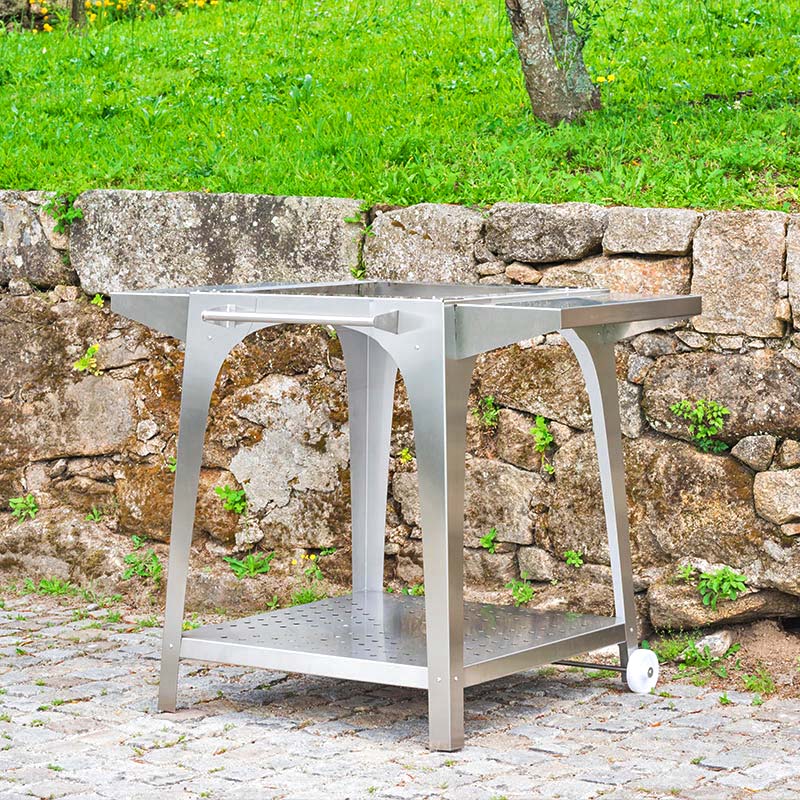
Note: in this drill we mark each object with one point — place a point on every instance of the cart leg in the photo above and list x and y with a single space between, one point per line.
596 358
371 376
438 392
204 357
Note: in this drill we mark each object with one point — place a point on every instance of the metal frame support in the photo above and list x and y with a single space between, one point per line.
594 349
438 390
371 376
206 350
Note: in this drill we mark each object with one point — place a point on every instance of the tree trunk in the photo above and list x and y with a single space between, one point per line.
551 52
77 12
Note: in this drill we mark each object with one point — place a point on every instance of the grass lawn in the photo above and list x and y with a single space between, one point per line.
405 101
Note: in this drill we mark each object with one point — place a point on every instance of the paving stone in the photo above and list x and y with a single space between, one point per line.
760 776
615 726
753 727
573 789
739 759
615 775
676 776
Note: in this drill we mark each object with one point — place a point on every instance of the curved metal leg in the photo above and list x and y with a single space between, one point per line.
438 390
596 358
206 349
371 376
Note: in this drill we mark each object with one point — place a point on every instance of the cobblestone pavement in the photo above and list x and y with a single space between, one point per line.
78 720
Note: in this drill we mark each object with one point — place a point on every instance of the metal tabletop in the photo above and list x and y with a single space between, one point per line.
432 334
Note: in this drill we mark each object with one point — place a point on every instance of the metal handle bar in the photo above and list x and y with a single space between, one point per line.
385 322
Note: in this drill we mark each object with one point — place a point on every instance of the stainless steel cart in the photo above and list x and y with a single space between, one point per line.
432 333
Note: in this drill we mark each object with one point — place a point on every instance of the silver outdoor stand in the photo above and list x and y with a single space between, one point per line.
432 334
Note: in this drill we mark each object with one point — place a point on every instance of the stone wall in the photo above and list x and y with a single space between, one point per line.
278 424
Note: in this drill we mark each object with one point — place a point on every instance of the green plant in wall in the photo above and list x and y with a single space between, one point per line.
415 590
305 595
232 499
521 590
88 361
488 542
98 300
687 573
312 569
55 587
24 507
251 565
574 558
192 623
487 412
309 593
311 573
723 584
706 419
171 464
405 455
146 566
359 272
95 515
542 441
62 209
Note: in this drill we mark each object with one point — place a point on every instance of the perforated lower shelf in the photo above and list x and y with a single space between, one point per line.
381 637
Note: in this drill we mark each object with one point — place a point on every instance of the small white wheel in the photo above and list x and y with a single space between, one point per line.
641 674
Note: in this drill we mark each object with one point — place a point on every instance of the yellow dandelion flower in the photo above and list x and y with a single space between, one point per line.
152 6
313 557
601 79
44 10
34 31
294 561
612 78
47 27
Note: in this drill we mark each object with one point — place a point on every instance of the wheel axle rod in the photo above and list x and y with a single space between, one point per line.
586 665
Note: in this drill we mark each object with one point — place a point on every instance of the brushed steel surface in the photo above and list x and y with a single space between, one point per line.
377 631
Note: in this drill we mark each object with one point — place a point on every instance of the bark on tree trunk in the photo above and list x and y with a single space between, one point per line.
551 53
77 12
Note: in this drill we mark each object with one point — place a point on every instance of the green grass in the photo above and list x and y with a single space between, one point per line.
407 101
